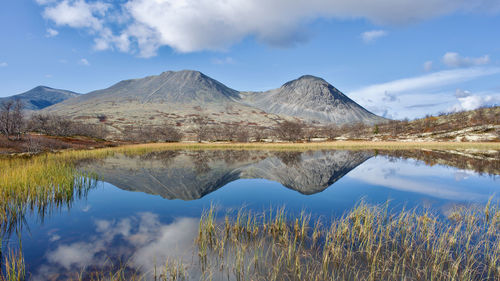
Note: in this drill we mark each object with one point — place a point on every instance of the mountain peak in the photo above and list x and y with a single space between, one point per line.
305 80
41 87
170 87
312 98
309 77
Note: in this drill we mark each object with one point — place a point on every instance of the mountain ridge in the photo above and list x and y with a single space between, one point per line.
41 97
179 97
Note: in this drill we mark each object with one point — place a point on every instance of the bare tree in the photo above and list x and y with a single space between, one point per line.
59 126
289 130
202 129
11 118
242 134
169 133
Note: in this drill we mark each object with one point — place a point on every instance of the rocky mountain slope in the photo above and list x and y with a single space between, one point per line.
180 97
41 97
176 98
312 99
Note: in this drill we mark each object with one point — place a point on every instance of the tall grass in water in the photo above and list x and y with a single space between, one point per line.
15 269
368 243
38 184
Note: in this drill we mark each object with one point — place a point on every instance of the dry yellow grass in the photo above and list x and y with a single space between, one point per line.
355 145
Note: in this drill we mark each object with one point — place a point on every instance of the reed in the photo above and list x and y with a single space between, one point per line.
367 243
14 267
39 184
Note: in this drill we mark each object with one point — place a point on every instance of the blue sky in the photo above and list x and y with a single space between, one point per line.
398 58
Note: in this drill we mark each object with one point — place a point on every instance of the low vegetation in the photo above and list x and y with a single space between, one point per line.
41 132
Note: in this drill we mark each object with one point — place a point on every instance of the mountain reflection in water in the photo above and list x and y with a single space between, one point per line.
111 225
190 175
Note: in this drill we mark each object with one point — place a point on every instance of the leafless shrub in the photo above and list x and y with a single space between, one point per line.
168 133
289 130
55 125
242 134
201 129
11 118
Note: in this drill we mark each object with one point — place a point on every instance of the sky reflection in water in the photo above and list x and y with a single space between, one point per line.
143 228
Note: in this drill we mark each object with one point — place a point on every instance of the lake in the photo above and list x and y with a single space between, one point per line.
146 208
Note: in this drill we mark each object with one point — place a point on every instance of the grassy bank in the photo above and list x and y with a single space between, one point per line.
350 145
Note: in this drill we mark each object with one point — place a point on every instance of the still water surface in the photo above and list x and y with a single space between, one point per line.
146 208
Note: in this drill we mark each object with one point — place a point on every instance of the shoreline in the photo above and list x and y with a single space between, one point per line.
301 146
351 145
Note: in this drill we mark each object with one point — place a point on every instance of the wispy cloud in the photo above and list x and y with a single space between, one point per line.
372 35
51 33
84 62
406 177
403 97
143 26
428 65
441 78
226 60
3 64
453 59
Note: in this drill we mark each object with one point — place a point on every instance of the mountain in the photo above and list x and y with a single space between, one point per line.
168 87
179 98
41 97
176 98
190 175
312 99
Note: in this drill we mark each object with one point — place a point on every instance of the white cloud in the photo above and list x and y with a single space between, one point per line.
370 36
428 65
77 14
51 32
143 26
470 101
3 64
84 61
144 240
441 78
459 93
417 96
453 59
404 175
45 2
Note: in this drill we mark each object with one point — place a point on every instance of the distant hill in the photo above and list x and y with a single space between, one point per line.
180 97
41 97
482 124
